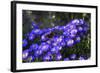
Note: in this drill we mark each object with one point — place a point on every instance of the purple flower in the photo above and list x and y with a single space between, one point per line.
54 50
73 33
85 29
38 52
50 29
34 47
66 33
25 54
48 42
77 39
81 58
57 27
31 58
81 21
46 58
44 47
70 42
25 43
63 43
58 56
37 31
44 31
31 36
72 26
59 39
54 43
34 25
49 53
43 38
66 59
80 29
59 47
76 21
73 56
63 27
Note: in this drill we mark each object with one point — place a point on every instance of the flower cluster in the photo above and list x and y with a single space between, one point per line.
52 40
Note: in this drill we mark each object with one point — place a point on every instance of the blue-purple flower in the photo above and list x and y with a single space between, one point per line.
38 52
58 56
81 21
54 49
73 33
78 39
25 54
34 25
37 31
34 47
25 43
31 36
66 59
81 58
70 42
44 47
76 21
73 56
46 58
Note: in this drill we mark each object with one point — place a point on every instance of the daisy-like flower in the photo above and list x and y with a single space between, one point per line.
44 47
63 43
76 21
73 33
43 38
78 39
70 42
59 39
37 53
54 43
54 50
80 29
49 42
25 54
59 47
